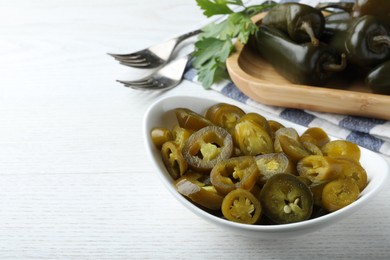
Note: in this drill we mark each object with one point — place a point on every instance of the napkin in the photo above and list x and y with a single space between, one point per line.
371 133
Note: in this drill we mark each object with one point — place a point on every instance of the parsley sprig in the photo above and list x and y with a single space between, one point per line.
216 41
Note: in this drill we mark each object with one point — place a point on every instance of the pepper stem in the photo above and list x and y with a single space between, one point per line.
336 67
381 39
306 26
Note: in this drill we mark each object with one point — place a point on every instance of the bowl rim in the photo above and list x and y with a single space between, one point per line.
163 104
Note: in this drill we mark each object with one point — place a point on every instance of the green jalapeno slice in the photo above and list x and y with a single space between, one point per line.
292 148
237 172
271 164
180 135
206 147
287 131
252 138
198 191
312 148
286 199
339 193
258 119
337 148
189 119
353 169
317 190
316 136
173 159
275 126
241 206
224 115
319 168
160 135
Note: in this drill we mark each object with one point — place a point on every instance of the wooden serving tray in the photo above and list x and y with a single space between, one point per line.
258 80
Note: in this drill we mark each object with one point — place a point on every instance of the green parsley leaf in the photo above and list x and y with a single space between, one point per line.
215 43
243 26
211 55
217 7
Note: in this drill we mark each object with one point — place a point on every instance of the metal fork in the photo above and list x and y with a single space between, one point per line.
165 78
154 56
160 53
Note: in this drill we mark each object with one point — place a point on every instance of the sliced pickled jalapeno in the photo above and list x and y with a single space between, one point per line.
275 126
319 168
256 191
258 119
293 148
173 159
286 199
160 135
237 172
240 166
241 206
252 139
344 148
353 170
271 164
192 186
339 193
206 147
224 115
180 135
315 135
189 119
317 189
311 148
285 131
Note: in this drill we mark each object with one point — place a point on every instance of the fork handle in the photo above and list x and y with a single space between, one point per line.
188 35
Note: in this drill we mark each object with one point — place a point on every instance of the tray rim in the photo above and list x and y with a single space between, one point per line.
290 95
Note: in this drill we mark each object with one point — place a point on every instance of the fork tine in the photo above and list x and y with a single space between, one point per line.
138 59
165 78
134 58
140 82
145 87
138 64
151 85
125 56
138 87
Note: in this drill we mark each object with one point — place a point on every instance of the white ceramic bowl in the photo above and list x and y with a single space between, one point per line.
161 114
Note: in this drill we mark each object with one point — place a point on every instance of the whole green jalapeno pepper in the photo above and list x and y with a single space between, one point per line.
378 8
344 6
336 26
337 21
367 41
378 80
299 63
301 22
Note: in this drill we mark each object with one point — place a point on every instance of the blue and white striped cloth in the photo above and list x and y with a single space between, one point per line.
373 134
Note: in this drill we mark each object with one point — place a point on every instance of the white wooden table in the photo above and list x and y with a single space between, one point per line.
75 182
